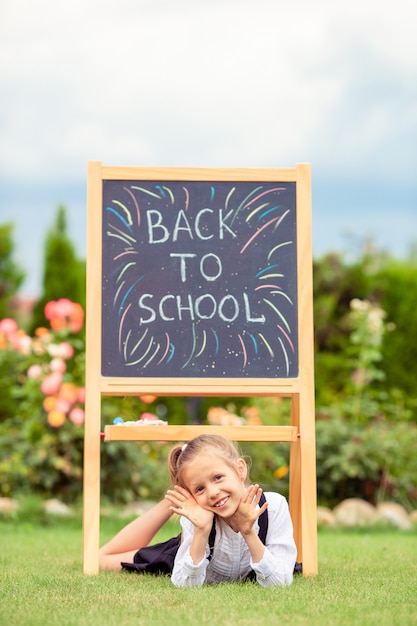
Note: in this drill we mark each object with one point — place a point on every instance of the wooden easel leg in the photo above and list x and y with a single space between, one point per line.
295 480
303 498
91 492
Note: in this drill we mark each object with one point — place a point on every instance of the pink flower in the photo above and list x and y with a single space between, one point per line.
49 309
63 307
81 395
64 314
66 351
76 318
34 371
8 327
77 416
219 415
58 308
22 343
148 417
62 350
51 384
62 405
58 365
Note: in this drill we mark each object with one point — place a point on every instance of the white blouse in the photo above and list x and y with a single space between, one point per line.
231 558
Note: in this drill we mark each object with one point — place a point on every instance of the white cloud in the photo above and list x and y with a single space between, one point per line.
211 83
225 83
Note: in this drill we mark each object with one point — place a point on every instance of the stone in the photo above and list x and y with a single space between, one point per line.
56 507
355 512
137 508
395 514
325 517
8 505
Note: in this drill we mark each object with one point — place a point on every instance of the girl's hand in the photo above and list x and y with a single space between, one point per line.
184 504
247 512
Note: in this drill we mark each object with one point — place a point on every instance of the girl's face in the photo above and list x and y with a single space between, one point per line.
214 485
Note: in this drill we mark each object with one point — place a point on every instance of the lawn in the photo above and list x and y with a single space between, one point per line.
365 577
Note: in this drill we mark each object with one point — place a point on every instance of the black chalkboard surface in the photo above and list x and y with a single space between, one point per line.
199 279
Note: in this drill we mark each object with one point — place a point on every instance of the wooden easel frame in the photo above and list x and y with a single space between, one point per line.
301 433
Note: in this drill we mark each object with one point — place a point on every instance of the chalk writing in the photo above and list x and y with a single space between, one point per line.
199 279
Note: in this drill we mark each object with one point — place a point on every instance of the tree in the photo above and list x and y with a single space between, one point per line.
11 275
63 273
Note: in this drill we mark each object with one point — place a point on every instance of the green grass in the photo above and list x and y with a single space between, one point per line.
365 577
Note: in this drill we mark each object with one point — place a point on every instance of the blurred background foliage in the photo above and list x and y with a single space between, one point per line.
365 372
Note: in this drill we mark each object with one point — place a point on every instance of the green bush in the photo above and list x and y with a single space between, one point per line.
41 434
366 438
366 435
376 462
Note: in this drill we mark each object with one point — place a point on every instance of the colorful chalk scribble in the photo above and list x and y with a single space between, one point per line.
199 279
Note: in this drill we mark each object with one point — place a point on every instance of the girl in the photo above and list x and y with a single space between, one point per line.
219 515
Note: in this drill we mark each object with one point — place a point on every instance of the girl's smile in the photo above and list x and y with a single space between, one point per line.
222 503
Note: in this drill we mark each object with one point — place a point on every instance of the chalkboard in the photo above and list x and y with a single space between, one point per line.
199 279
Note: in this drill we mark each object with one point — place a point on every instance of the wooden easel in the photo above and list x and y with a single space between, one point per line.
300 388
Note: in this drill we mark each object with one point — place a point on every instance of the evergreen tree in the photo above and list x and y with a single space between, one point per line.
11 275
63 273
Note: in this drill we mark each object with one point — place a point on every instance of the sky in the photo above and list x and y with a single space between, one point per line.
219 83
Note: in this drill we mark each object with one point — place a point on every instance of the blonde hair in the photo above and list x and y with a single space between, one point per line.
220 447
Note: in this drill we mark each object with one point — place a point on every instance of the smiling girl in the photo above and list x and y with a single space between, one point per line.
220 515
